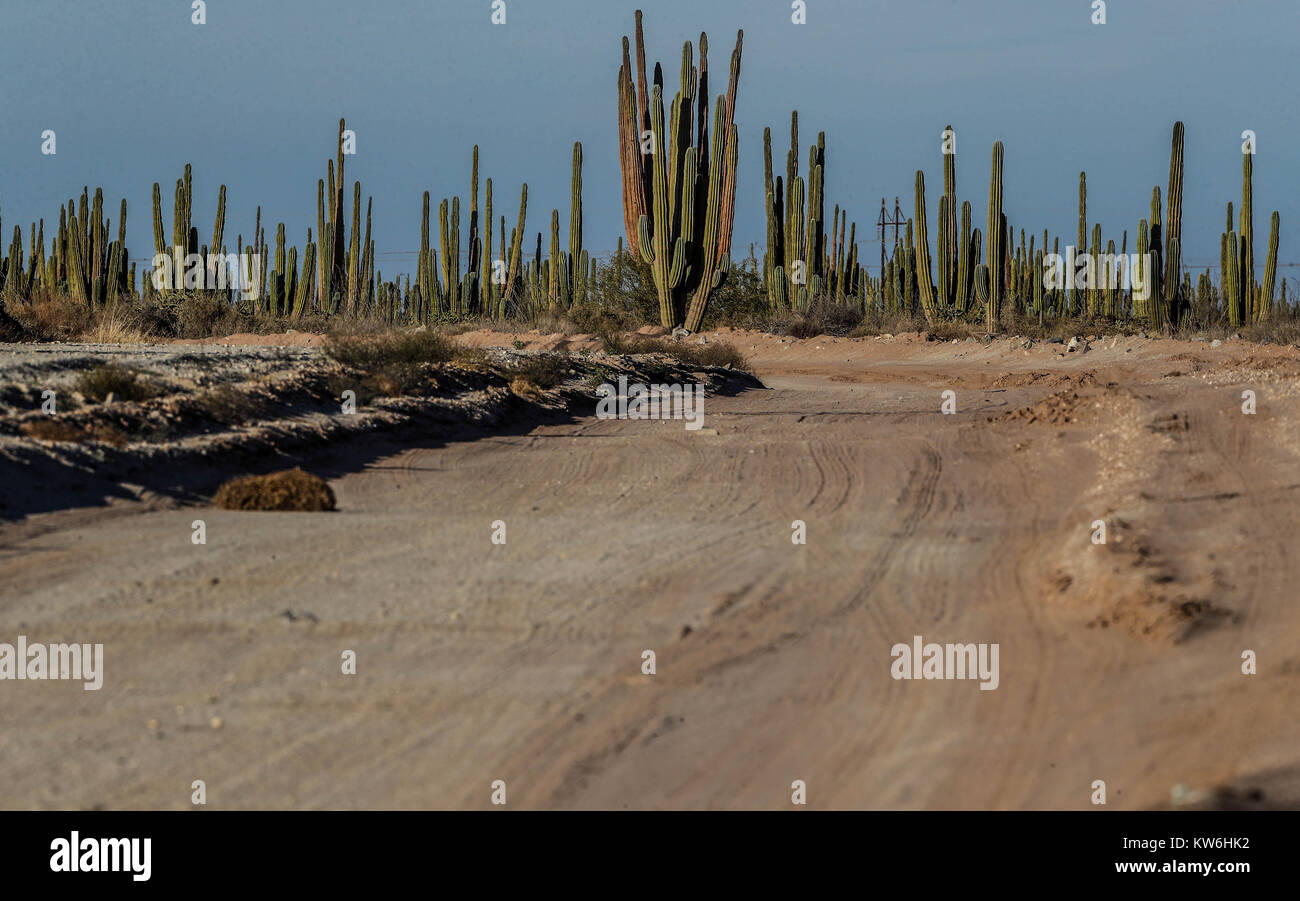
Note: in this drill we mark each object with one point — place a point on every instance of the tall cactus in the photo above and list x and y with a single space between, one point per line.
966 259
514 271
996 253
679 191
1173 231
1270 269
950 249
924 284
1157 248
577 268
1247 230
1081 248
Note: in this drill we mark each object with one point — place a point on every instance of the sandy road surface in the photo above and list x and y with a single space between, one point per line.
523 662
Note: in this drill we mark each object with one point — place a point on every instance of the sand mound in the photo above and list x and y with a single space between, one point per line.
1061 408
1046 379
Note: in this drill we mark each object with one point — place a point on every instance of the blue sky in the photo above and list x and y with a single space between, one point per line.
252 99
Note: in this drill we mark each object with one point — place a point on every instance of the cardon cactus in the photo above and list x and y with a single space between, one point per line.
1270 269
982 284
1173 230
679 179
924 284
997 241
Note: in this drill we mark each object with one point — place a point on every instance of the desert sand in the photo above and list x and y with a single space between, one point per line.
523 662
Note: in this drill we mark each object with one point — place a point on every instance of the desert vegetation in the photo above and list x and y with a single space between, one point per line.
678 159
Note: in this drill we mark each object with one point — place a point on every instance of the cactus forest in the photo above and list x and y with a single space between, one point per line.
678 157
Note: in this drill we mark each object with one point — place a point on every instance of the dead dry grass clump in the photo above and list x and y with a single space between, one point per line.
715 353
375 352
204 315
230 405
290 490
395 363
50 317
11 330
59 430
880 324
821 319
542 371
124 383
524 388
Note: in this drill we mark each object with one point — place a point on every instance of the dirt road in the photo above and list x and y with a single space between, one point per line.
522 662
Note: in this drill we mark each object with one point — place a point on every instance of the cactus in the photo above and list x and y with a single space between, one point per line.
682 193
922 245
943 250
1173 233
1232 279
950 249
304 286
1081 248
982 286
576 269
997 241
514 272
966 267
486 280
1247 232
1270 269
1094 285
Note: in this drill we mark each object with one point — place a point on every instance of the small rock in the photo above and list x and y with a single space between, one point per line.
1055 340
702 340
216 722
680 333
110 399
1216 343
